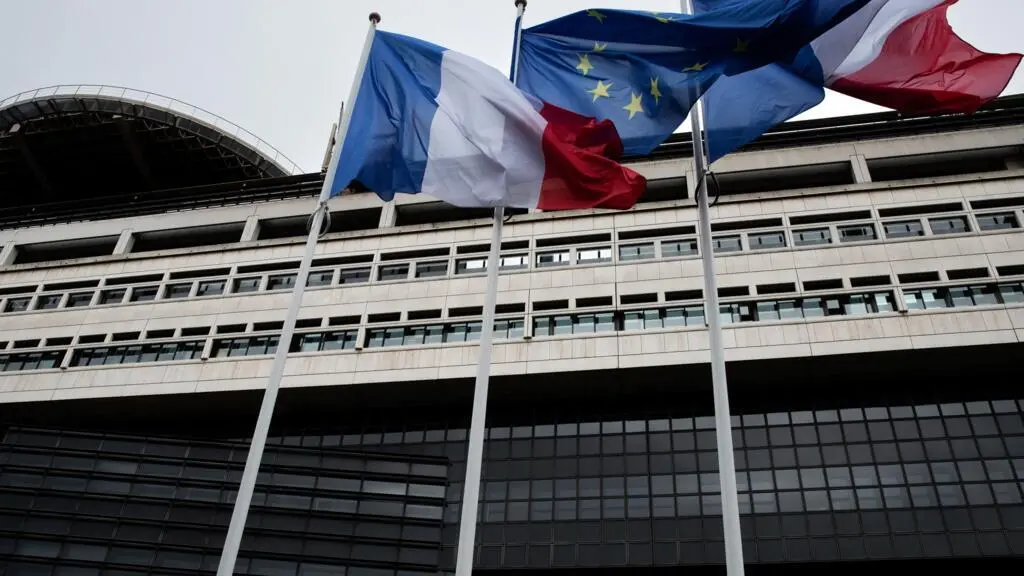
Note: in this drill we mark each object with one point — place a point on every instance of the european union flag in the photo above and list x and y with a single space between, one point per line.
644 70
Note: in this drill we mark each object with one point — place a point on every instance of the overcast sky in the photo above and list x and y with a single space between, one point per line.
280 68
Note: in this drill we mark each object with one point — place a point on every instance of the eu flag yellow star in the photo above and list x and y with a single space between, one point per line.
655 91
595 14
662 19
598 47
635 105
584 66
697 67
600 91
741 46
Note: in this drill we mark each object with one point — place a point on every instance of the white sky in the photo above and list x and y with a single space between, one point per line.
280 68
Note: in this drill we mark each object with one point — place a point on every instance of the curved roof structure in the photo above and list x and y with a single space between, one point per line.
71 143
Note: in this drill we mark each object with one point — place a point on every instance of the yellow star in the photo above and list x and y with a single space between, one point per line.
655 91
598 47
595 14
660 18
741 45
584 66
634 106
600 91
697 67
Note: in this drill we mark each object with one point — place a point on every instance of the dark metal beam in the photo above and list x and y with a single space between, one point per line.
135 150
30 160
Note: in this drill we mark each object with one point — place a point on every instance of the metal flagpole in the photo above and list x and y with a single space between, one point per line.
477 426
259 435
723 419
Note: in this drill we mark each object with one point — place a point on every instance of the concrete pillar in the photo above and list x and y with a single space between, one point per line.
388 215
251 230
691 184
861 173
124 243
7 254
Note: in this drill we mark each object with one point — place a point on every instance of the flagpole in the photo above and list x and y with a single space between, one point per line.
478 421
723 419
259 436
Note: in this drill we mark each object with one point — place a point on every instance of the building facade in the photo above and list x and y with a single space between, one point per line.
871 272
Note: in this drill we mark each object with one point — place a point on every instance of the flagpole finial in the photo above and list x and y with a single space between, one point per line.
375 17
521 3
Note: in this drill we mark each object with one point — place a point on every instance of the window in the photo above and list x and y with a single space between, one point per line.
439 333
960 296
393 272
812 237
726 244
636 252
1002 221
949 225
509 329
354 276
138 353
856 233
17 304
593 255
79 299
552 259
514 262
903 229
766 240
242 285
112 296
175 291
144 293
211 288
320 278
245 346
48 301
471 265
674 248
320 341
431 269
278 282
31 361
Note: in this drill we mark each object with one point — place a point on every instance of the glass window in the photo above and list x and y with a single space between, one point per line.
320 278
903 229
115 296
354 276
674 248
144 293
79 299
594 255
393 272
726 244
1002 221
1011 293
280 282
949 225
812 237
17 304
636 252
210 288
470 265
173 291
856 233
431 269
48 301
247 284
766 240
925 299
552 259
514 261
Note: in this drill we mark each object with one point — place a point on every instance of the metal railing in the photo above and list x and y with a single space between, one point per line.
161 102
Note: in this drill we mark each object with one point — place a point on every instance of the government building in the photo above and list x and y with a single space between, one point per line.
871 275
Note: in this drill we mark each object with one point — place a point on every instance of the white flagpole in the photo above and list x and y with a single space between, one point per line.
259 436
478 422
723 419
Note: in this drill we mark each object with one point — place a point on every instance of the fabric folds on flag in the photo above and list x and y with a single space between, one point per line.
644 70
430 120
902 54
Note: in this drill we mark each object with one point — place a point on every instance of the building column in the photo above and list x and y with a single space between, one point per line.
691 185
251 230
388 215
7 254
861 174
124 242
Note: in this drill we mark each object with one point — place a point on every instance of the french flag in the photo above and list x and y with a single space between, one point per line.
429 120
903 54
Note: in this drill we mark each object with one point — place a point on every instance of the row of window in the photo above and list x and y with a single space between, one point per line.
962 296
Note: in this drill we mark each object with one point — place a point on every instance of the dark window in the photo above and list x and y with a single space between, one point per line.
251 284
856 233
1002 221
765 240
393 272
552 259
354 276
636 252
144 293
431 269
246 346
31 361
949 225
138 353
112 296
812 237
674 248
279 282
320 341
17 304
210 288
174 291
903 229
48 301
726 244
79 299
320 278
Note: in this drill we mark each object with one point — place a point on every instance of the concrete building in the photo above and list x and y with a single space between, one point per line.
871 270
